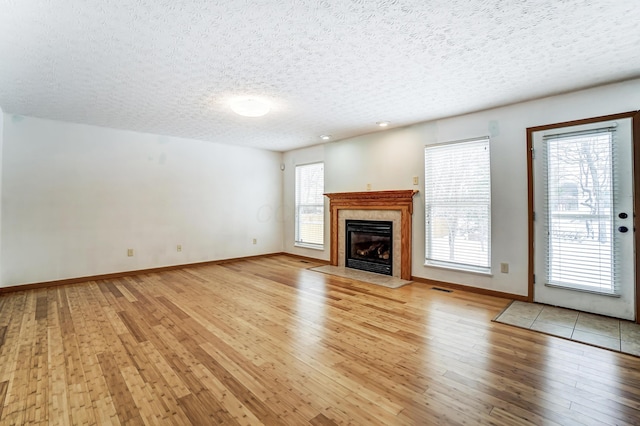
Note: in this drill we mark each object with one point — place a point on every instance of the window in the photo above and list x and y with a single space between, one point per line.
458 205
310 205
579 209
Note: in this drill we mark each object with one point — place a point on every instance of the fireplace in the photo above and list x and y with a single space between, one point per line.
369 245
393 206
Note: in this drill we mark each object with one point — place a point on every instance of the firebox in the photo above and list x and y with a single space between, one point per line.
369 245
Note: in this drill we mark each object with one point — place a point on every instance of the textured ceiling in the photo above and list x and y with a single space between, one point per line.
329 66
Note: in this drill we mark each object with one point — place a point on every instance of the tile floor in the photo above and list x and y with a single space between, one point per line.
605 332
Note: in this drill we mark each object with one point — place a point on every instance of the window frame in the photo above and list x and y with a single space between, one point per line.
298 206
556 268
434 260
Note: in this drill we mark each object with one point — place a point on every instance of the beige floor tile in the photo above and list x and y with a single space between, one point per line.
526 310
596 339
551 328
558 316
630 331
515 319
367 277
597 324
632 348
596 330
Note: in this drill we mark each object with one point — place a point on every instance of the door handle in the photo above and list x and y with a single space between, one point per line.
623 215
623 229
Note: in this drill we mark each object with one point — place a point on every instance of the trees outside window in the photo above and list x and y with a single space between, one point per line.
458 204
309 205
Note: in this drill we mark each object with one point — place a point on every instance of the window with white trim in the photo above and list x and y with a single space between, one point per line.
310 206
458 205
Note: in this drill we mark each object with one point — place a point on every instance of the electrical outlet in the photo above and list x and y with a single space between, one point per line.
179 247
368 187
504 268
415 180
255 241
130 252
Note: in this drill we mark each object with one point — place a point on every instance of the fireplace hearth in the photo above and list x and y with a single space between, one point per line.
369 246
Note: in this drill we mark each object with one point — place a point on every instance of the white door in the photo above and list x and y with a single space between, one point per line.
583 224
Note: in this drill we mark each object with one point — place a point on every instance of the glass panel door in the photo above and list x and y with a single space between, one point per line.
583 231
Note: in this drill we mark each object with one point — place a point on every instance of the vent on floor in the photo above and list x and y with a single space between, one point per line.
442 289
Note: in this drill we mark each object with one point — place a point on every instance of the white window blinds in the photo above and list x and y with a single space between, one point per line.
579 210
310 205
458 205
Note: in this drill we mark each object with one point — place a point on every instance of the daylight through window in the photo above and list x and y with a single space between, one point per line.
458 205
579 210
310 205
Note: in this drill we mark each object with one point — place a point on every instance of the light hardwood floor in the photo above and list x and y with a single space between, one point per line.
266 341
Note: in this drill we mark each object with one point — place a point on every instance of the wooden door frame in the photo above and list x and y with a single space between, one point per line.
635 117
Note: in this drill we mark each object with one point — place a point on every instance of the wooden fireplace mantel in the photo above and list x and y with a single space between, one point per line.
401 200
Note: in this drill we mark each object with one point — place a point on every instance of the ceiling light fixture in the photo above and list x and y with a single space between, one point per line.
325 137
250 107
382 123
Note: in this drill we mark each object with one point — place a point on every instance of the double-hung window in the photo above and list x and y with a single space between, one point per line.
458 205
310 206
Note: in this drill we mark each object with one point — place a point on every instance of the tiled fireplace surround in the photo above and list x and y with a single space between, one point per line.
394 206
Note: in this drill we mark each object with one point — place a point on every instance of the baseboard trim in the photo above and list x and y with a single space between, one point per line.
306 258
469 289
123 274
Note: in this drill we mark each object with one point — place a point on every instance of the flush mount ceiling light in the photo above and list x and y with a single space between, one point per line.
250 107
382 123
325 137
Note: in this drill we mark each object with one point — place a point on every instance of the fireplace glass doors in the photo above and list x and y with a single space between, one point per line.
369 246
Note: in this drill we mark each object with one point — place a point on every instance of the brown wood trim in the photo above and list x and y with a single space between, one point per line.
306 258
636 202
468 289
122 274
635 116
531 207
394 196
401 200
618 116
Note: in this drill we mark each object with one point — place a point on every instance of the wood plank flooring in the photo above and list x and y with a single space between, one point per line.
266 341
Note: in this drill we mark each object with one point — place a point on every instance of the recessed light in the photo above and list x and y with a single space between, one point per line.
250 107
325 137
382 123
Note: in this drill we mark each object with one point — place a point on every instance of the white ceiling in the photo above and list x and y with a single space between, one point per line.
329 66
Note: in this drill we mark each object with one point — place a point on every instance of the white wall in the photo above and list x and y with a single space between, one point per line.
292 159
76 197
389 159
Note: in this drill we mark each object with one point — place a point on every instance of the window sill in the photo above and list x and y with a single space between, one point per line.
479 271
309 246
